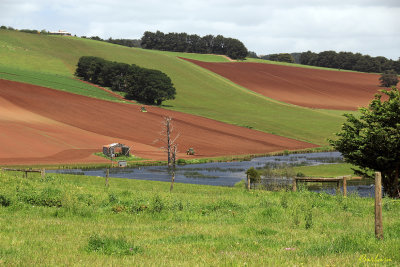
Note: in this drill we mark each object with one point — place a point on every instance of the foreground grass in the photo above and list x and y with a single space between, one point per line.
199 91
75 220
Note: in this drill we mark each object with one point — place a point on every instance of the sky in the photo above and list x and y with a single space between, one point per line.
282 26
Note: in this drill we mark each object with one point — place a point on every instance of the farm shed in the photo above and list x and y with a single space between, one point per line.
116 150
60 32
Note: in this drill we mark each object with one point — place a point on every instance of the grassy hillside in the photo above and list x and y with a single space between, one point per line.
76 220
56 81
199 91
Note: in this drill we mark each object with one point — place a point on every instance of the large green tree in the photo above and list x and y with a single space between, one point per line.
372 140
141 84
151 87
389 78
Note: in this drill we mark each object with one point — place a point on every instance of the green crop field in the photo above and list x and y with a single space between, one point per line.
56 81
75 220
199 91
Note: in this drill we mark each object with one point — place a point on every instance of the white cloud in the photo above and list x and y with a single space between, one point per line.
366 26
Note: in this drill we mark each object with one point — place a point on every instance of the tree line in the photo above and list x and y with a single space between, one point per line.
349 61
193 43
282 57
123 42
2 27
144 85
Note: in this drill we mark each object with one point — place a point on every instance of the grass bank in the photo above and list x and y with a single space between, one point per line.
326 170
76 220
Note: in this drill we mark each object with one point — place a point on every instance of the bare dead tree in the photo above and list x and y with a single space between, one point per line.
167 138
171 147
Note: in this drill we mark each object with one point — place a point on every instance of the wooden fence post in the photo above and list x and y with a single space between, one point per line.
378 206
248 182
107 175
344 186
43 173
294 184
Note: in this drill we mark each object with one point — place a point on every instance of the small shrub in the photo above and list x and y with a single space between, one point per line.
178 205
4 201
309 219
112 198
284 201
137 206
295 218
254 175
118 208
300 174
47 179
157 204
49 197
181 161
111 246
87 199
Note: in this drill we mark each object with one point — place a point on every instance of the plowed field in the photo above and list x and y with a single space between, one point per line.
45 126
305 87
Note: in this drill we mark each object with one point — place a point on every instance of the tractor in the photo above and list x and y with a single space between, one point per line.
190 151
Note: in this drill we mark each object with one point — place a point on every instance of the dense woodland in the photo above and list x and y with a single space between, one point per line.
193 43
145 85
283 57
349 61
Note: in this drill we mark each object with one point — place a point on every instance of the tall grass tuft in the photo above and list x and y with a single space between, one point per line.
111 246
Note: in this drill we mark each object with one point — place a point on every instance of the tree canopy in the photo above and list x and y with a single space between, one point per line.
282 57
349 61
193 43
372 141
389 78
141 84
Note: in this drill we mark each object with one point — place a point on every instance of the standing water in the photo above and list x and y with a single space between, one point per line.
226 173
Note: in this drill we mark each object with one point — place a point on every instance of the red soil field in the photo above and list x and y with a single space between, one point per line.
39 125
313 88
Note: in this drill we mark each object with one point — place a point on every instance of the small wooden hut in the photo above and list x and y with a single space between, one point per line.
116 150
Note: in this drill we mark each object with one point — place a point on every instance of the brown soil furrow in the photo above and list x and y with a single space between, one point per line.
313 88
42 125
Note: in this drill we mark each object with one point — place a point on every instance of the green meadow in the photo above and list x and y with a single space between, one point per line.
199 91
327 170
76 221
55 81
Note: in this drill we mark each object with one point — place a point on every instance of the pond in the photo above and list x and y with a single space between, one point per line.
230 173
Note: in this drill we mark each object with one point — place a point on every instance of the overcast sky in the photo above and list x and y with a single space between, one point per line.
366 26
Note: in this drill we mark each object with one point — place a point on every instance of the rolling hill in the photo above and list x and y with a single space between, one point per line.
42 125
199 91
313 88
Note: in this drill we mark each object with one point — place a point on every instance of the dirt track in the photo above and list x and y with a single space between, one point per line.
45 126
305 87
